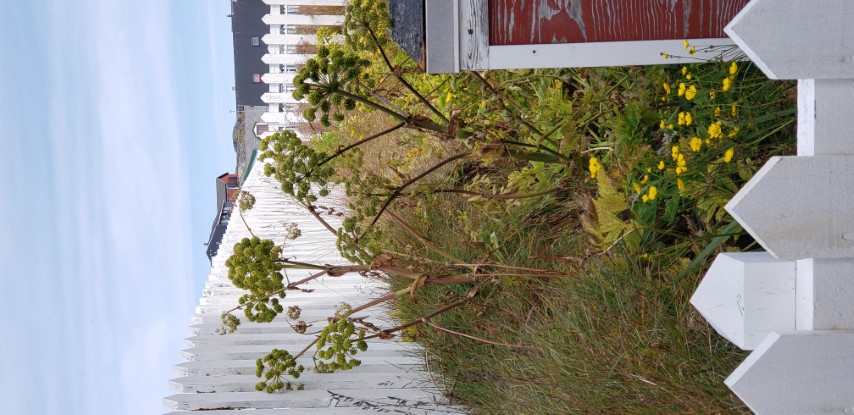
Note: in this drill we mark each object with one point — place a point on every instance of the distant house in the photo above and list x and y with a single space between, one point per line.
227 190
272 40
247 31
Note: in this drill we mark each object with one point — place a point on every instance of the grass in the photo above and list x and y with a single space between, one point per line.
615 334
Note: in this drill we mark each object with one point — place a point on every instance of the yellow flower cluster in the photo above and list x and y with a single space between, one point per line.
728 155
594 166
651 194
685 118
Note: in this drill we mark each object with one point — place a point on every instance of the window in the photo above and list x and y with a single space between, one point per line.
287 68
287 29
260 128
256 41
256 77
288 49
289 9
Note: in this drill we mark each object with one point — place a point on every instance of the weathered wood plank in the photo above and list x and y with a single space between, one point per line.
823 49
800 207
474 35
805 372
562 21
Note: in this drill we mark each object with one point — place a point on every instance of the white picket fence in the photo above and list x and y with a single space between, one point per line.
793 305
218 376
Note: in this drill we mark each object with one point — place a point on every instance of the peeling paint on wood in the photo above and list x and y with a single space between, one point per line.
521 22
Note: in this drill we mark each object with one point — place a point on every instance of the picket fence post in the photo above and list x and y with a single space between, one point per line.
799 208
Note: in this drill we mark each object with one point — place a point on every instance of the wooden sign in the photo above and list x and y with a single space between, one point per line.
805 372
821 48
542 22
800 207
510 34
747 295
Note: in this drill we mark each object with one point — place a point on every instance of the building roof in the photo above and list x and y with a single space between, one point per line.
246 24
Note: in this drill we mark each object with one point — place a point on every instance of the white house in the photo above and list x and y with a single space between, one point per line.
290 42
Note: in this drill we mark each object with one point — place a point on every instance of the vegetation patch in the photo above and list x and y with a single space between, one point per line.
542 230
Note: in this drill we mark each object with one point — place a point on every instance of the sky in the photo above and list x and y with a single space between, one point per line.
116 117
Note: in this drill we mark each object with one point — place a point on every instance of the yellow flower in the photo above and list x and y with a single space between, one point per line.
662 124
636 187
726 84
594 167
674 152
728 155
661 165
669 126
715 130
645 179
665 55
696 143
734 110
688 77
691 93
686 44
712 94
684 69
692 51
734 131
645 198
681 119
649 169
653 192
448 98
718 112
689 119
680 184
352 133
681 164
361 137
666 88
733 68
681 90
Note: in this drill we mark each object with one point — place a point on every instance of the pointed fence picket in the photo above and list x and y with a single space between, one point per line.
794 305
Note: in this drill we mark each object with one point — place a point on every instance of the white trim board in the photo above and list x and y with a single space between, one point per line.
582 55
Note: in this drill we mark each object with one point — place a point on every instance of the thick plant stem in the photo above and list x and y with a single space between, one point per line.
400 77
424 318
400 188
420 237
360 142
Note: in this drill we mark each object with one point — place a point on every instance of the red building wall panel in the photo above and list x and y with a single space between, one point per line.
525 22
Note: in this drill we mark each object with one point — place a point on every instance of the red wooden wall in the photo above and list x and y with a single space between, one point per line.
523 22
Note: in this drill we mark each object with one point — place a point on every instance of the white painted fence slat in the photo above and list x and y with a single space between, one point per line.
800 207
825 294
804 372
218 375
822 46
747 295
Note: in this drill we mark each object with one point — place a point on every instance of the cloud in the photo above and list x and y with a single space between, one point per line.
120 205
